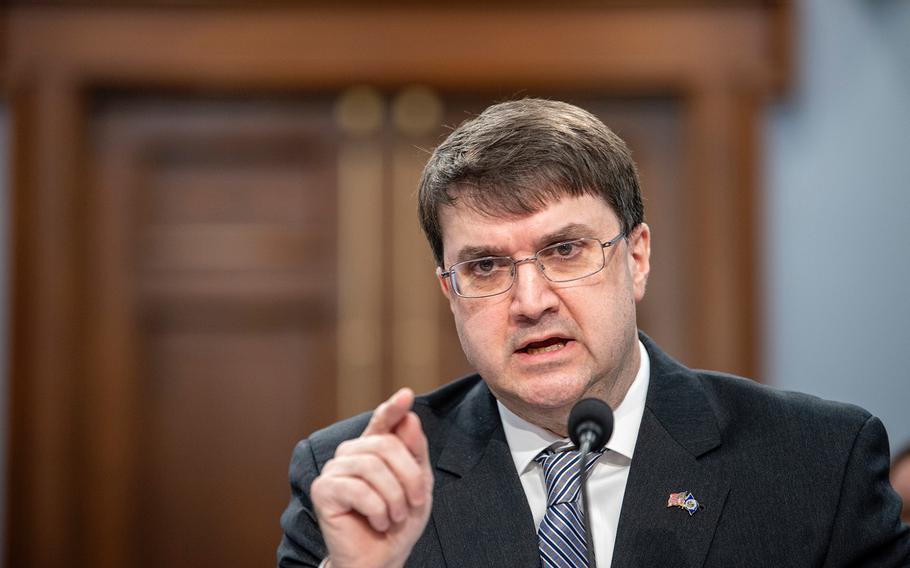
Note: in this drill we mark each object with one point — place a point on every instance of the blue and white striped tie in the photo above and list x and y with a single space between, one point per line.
562 530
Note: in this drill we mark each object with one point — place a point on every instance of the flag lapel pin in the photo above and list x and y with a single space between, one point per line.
685 501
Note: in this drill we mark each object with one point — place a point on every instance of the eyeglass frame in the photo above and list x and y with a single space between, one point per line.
450 273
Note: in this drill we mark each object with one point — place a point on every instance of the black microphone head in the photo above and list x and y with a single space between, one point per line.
591 415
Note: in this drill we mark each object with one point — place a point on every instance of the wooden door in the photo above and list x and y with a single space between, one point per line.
211 324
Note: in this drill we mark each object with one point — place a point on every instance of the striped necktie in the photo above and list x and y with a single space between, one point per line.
562 530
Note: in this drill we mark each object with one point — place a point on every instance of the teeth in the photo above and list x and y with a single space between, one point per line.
547 349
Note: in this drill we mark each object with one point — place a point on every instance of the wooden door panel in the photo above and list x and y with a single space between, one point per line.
222 408
225 289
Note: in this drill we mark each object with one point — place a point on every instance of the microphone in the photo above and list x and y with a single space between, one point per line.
590 428
591 420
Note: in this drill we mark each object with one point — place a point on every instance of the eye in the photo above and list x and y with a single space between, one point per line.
568 249
565 249
483 266
489 267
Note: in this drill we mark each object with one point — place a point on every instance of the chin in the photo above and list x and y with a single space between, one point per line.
552 394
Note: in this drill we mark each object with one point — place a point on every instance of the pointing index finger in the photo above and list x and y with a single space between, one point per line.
387 416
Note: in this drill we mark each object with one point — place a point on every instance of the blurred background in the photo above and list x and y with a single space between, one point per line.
209 247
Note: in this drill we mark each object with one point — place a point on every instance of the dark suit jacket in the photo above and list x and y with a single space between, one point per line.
785 479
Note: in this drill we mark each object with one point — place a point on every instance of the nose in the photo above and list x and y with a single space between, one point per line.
532 294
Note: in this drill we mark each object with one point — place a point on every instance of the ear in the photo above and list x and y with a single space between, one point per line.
640 259
444 284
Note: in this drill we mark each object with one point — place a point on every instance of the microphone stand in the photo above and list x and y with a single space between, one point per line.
590 426
587 438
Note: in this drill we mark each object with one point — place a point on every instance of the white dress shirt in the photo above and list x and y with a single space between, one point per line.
606 482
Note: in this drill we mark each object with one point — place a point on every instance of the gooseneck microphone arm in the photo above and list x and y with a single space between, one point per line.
586 439
590 427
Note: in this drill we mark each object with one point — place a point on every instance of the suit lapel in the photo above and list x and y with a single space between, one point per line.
678 428
480 511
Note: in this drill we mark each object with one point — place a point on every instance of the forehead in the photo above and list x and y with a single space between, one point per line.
465 227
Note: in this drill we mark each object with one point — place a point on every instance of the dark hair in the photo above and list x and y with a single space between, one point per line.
516 157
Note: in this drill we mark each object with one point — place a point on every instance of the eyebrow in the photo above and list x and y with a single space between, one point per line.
475 252
565 233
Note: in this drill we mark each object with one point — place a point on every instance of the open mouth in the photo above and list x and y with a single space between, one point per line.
545 346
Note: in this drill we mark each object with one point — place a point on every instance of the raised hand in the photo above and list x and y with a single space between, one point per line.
374 497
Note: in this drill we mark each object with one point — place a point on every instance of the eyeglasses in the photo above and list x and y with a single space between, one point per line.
562 262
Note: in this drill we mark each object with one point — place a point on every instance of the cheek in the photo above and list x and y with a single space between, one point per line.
478 331
605 315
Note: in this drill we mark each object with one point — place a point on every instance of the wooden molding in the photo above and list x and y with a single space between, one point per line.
621 49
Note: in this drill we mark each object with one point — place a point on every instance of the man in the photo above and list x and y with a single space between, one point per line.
535 219
900 480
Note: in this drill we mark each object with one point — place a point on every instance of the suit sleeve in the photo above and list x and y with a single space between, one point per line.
867 529
301 543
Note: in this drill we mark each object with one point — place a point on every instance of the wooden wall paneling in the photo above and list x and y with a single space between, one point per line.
20 458
416 116
720 212
47 298
750 211
112 401
4 60
623 49
362 341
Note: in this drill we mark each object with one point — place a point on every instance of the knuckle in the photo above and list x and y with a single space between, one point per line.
392 444
328 469
344 448
320 489
386 444
371 503
372 462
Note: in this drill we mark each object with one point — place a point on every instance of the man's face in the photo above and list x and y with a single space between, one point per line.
542 345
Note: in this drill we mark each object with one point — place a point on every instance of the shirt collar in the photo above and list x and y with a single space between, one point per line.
527 440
